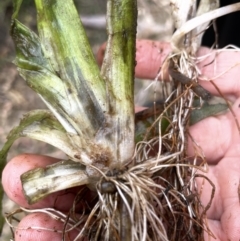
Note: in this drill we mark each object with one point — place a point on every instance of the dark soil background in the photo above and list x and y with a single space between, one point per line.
16 98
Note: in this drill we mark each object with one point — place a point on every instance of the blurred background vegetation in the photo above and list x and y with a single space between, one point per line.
16 98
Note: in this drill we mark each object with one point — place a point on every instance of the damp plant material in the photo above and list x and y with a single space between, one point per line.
144 182
87 108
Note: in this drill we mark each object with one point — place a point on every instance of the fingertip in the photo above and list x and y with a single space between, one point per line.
41 227
15 168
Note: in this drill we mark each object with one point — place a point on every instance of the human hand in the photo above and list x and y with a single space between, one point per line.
218 137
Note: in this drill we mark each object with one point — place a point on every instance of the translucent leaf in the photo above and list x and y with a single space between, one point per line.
40 182
28 46
181 11
179 34
204 7
43 126
205 111
64 101
80 110
66 46
30 119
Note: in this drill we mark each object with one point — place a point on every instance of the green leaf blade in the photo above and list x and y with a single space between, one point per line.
118 71
77 109
205 111
66 46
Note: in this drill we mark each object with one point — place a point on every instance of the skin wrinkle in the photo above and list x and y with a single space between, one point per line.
218 234
156 54
206 190
231 218
216 124
230 184
235 134
37 235
232 86
218 207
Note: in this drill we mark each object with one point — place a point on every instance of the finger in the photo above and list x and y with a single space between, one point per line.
212 137
226 65
218 136
12 184
139 108
231 222
224 185
224 213
149 57
216 230
32 228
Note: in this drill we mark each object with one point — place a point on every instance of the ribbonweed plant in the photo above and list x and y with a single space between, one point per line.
143 179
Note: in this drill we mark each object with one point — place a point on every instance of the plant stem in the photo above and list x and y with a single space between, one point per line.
118 72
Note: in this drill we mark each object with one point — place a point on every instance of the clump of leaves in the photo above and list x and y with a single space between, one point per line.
145 187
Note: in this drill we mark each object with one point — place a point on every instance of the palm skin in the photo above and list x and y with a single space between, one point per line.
219 137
